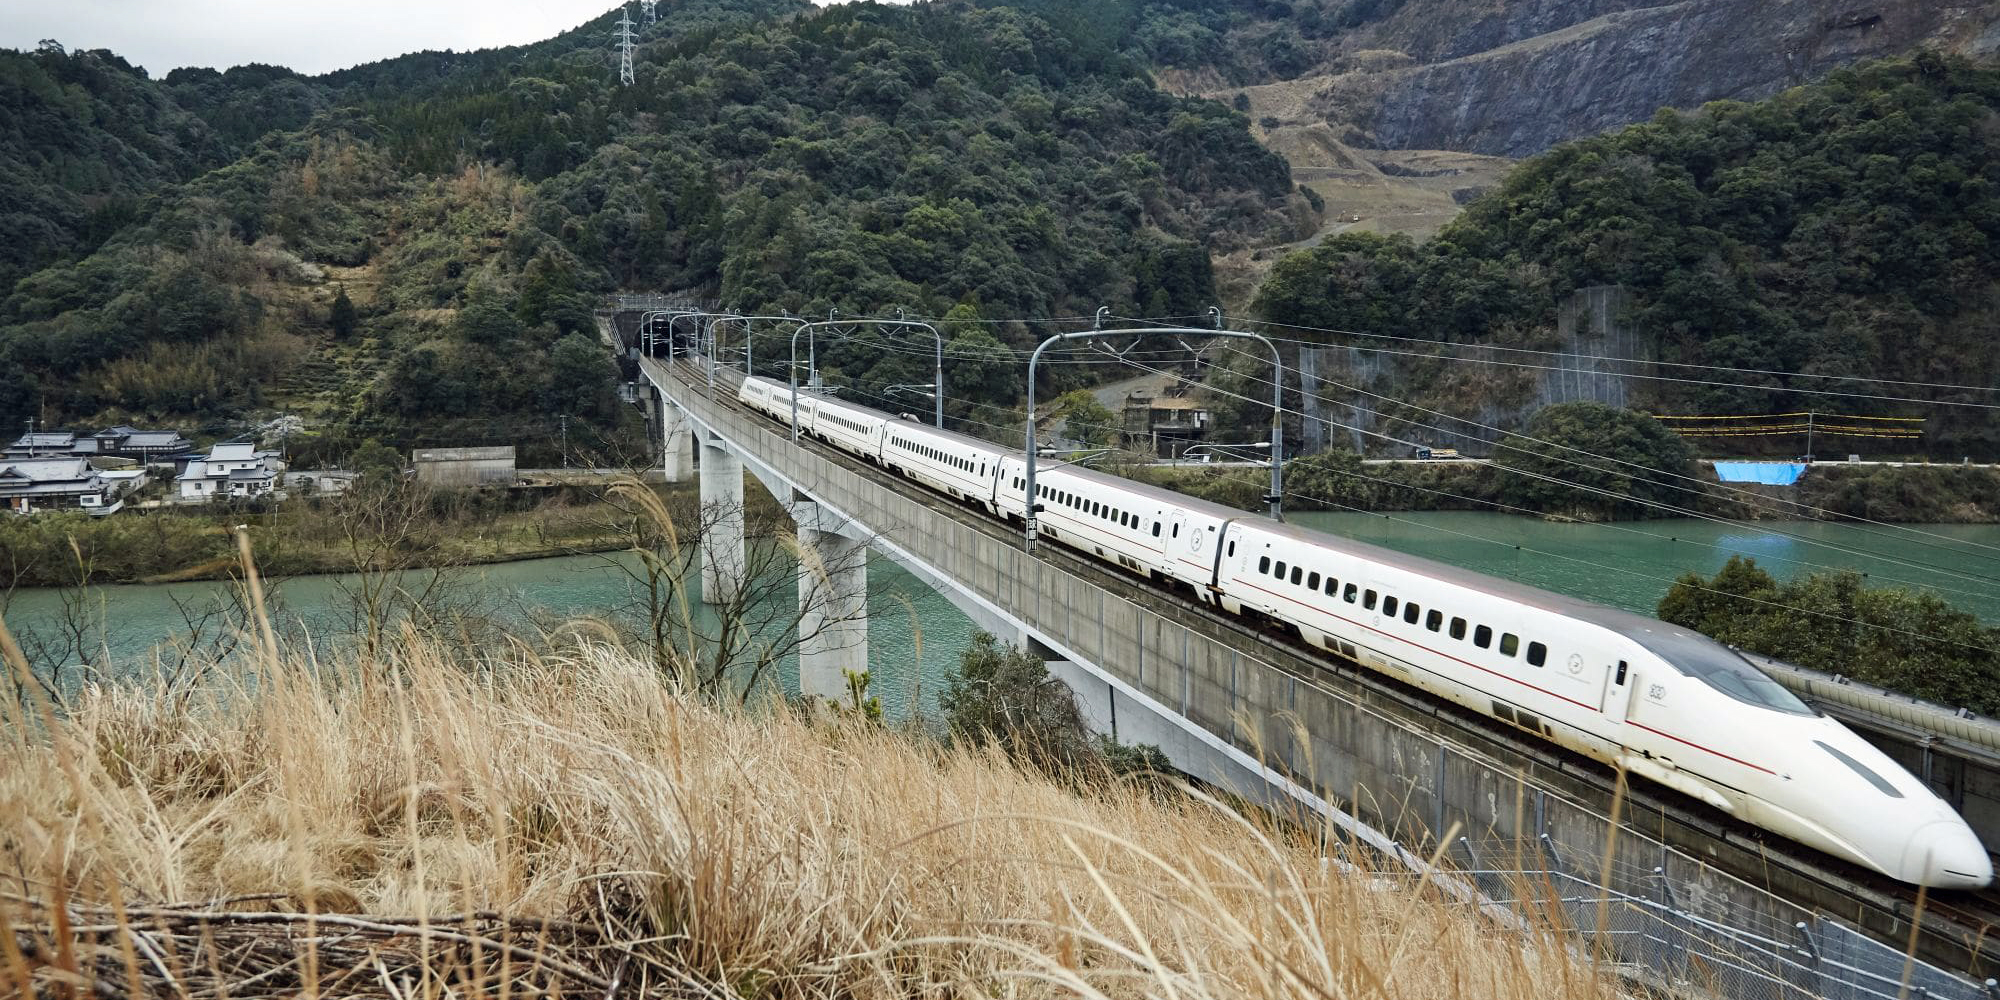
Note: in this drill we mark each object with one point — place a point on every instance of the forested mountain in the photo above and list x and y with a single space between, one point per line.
472 207
1851 228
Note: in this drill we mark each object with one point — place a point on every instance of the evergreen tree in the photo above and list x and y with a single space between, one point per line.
343 318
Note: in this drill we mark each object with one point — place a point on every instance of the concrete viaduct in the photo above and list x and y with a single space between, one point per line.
1250 711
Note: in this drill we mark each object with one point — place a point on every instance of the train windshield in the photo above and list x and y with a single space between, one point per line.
1722 669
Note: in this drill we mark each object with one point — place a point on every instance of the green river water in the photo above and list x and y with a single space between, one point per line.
1627 565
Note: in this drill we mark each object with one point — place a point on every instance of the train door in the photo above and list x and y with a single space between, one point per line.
1618 691
1177 539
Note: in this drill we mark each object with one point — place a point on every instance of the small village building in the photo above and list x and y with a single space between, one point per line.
143 446
460 468
125 482
230 470
319 482
31 485
43 444
1168 422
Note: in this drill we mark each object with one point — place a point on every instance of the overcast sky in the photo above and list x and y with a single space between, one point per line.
312 37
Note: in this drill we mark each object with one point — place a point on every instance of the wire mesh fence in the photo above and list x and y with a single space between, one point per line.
1739 952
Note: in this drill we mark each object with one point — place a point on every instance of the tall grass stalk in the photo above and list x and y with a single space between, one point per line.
573 822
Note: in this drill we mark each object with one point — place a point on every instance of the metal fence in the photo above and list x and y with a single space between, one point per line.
1661 940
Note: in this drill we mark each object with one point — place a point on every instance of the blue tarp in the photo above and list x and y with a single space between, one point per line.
1765 473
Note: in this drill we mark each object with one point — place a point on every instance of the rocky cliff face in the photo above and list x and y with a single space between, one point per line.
1513 77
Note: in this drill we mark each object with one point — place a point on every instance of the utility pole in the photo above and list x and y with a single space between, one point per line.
31 437
625 41
1809 434
564 419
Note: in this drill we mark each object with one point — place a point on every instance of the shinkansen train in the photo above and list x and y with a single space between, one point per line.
1665 703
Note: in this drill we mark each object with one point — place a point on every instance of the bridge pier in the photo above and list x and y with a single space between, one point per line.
677 442
833 603
722 557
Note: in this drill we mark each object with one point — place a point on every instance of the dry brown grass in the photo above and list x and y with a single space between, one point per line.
571 825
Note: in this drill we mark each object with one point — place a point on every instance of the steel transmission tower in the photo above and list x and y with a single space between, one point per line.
651 7
625 41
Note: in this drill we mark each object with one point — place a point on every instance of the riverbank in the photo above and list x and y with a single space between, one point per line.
1902 494
569 823
333 535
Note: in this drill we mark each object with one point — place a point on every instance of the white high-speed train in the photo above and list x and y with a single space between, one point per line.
1668 704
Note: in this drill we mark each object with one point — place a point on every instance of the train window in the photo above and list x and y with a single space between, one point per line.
1510 644
1435 620
1263 564
1482 637
1874 779
1458 628
1410 612
1368 600
1332 587
1312 582
1280 574
1177 531
1156 529
1232 546
1538 654
1351 591
1297 573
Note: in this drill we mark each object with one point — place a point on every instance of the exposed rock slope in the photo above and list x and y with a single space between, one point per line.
1510 78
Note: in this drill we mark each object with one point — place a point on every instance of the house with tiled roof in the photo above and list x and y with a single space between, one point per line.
33 485
42 444
140 445
233 469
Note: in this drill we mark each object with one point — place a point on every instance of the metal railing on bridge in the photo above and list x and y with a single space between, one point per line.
1661 941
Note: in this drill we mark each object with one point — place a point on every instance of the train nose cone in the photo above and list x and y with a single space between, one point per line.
1947 855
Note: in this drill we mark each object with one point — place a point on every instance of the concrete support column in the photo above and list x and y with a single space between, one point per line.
677 443
833 610
722 557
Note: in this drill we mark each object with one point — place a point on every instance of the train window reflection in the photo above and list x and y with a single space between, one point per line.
1510 644
1726 671
1389 606
1351 591
1368 600
1435 621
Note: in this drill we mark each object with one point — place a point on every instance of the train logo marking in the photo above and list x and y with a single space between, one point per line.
1576 664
